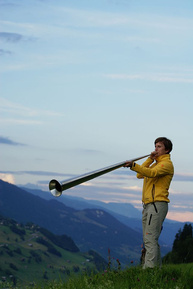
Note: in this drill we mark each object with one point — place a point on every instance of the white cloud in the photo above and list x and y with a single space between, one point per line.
20 114
19 121
172 78
183 177
98 18
86 184
133 188
181 207
179 216
7 178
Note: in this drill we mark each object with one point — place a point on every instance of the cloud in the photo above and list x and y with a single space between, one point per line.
5 52
5 3
171 78
11 37
183 177
133 188
186 216
17 113
80 151
14 121
7 141
14 37
7 178
98 18
180 206
38 173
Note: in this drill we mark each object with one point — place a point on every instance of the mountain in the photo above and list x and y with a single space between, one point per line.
90 228
31 254
78 203
123 212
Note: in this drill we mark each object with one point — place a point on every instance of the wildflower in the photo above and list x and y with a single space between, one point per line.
119 264
109 259
131 261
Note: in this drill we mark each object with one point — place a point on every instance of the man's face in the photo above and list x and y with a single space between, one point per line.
160 149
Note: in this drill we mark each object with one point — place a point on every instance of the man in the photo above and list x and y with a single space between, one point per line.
157 172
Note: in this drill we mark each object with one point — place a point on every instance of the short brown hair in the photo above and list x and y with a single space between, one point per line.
167 143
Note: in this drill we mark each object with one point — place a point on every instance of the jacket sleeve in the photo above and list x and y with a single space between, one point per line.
146 164
161 169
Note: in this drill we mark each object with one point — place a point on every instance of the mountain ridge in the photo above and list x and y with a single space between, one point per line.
90 228
132 218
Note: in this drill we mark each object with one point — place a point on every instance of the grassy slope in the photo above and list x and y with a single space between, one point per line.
169 277
29 261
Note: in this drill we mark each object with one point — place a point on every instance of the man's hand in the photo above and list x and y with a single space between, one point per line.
153 155
127 164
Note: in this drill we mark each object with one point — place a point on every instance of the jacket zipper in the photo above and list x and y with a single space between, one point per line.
153 194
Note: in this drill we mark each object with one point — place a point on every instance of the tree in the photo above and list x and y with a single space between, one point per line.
182 250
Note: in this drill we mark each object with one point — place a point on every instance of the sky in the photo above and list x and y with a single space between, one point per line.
88 84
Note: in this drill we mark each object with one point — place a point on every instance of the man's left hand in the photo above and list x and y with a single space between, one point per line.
127 164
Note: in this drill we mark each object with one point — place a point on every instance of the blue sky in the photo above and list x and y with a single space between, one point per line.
87 84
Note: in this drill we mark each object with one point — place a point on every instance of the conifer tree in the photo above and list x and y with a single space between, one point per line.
182 250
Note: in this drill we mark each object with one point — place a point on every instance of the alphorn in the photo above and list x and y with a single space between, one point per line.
57 188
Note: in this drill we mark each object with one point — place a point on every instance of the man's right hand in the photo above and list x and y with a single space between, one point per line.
153 155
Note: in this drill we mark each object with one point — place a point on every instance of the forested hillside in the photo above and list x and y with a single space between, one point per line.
182 250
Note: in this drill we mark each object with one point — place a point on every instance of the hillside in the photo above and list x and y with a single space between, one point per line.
30 254
79 203
91 229
123 212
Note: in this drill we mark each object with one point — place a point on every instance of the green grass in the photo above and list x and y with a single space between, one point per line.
27 264
25 260
168 277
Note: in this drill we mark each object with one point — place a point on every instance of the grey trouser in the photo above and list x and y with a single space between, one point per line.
153 217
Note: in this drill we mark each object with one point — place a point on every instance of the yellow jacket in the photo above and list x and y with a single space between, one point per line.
157 178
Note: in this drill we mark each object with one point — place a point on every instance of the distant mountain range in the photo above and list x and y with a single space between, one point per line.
124 212
91 225
90 228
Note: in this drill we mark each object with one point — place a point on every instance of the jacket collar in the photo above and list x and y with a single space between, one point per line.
163 157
